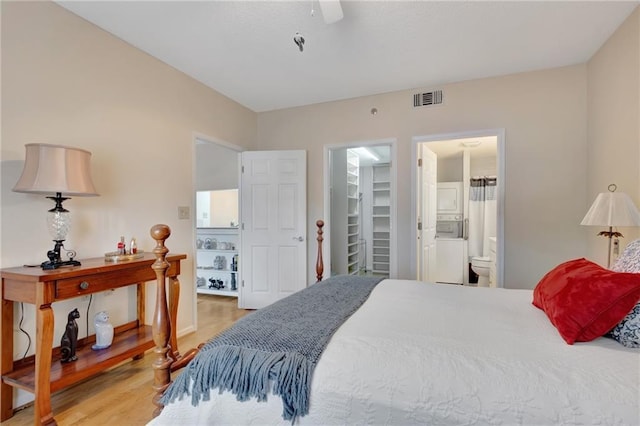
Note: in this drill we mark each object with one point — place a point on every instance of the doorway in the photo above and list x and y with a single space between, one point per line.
216 241
360 209
462 160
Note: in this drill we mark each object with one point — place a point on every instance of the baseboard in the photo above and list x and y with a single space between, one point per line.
187 330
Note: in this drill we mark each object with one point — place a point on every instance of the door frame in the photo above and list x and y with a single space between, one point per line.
196 137
500 162
393 250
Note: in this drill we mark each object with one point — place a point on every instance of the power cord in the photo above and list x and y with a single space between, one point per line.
29 337
87 318
23 330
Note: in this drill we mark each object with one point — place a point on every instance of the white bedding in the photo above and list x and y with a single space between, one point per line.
418 353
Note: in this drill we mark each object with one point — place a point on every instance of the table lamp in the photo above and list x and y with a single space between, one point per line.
612 209
57 169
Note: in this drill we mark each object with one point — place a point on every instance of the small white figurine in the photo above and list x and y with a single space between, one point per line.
104 331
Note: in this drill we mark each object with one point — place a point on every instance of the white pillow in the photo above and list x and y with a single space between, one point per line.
627 332
629 260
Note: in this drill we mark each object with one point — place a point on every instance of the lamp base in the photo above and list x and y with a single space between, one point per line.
55 265
55 261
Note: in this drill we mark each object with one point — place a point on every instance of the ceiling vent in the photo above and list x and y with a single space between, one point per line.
428 98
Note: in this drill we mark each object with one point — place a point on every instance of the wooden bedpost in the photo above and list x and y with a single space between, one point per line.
161 325
167 358
319 261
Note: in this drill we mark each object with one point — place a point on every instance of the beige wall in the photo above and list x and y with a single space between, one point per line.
544 117
65 81
613 124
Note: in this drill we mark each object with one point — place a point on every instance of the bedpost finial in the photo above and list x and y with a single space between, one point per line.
319 260
160 232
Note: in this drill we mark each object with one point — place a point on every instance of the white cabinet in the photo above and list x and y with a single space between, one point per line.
450 260
381 218
217 261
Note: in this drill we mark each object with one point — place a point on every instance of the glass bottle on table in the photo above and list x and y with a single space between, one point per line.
121 246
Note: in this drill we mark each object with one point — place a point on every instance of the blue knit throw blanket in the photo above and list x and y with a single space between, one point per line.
275 347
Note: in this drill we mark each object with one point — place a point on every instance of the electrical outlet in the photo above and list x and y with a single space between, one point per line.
183 212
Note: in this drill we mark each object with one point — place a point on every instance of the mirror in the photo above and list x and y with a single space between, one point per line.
217 209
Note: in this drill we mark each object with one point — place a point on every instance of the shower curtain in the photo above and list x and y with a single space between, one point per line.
482 214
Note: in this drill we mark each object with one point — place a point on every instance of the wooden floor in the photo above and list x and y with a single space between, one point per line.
122 395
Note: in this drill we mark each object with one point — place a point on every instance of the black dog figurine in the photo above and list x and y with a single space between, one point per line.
69 340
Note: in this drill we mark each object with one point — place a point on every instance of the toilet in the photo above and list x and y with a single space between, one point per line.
481 266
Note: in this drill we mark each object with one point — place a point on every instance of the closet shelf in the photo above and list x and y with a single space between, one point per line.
216 263
381 220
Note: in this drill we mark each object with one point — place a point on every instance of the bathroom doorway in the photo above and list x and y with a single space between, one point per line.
470 230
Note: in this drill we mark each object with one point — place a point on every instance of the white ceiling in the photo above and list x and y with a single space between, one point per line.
245 49
452 149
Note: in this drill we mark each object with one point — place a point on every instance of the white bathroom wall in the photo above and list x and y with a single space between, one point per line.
449 169
484 166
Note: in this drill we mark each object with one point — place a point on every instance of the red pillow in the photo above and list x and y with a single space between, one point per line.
584 300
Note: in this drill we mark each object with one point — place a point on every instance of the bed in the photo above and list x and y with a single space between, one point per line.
439 354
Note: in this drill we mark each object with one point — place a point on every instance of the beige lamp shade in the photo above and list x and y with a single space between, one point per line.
56 169
612 209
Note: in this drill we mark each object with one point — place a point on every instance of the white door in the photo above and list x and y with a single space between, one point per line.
273 256
427 213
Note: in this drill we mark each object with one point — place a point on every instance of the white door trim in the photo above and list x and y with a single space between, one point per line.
326 247
500 135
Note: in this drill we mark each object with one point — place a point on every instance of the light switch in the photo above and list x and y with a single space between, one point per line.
183 212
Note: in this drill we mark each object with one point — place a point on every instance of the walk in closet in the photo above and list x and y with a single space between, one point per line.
360 212
345 212
381 217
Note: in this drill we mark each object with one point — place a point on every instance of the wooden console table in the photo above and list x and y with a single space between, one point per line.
43 373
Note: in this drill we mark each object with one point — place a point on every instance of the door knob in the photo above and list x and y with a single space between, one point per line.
300 238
